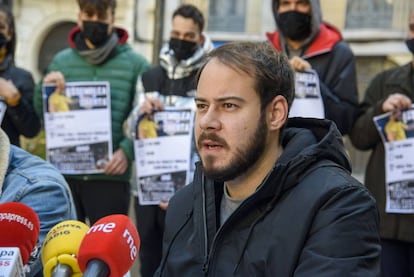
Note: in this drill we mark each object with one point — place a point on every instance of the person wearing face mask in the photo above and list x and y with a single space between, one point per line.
171 83
16 86
99 52
389 91
311 43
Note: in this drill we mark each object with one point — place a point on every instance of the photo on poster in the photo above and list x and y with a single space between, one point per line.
396 125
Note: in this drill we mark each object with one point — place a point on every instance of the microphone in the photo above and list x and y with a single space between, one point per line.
60 249
109 248
19 231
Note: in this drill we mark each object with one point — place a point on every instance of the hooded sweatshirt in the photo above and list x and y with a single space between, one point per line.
333 61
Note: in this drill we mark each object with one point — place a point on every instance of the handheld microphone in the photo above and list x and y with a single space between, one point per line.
19 231
109 248
60 249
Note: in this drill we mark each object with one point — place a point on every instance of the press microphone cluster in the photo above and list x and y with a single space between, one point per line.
106 249
19 232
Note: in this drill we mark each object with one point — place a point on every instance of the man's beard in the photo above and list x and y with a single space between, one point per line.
243 159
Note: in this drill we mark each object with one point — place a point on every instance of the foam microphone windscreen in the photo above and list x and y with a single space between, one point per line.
19 227
61 246
113 240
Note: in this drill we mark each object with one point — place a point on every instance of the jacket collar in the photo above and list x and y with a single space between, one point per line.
326 39
122 35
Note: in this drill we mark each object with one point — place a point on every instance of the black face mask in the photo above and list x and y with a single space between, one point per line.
182 49
3 40
410 45
294 25
95 32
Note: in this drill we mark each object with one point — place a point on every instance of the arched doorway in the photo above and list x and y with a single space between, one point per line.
56 40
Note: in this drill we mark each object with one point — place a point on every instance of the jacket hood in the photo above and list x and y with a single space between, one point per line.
316 14
4 157
308 141
324 41
122 35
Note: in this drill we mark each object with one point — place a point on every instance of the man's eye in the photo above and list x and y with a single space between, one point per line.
229 105
200 106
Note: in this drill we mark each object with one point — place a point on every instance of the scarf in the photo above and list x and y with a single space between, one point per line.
99 55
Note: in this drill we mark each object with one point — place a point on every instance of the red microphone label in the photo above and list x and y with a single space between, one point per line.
11 217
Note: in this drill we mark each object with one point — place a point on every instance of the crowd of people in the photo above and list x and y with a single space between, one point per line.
267 195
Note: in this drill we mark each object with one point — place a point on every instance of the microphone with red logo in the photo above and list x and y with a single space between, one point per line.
109 248
60 249
19 231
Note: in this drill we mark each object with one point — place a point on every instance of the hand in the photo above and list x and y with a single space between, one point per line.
396 101
299 64
118 164
150 105
55 77
163 205
9 92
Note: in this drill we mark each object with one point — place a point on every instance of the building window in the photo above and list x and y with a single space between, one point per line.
227 16
376 14
8 3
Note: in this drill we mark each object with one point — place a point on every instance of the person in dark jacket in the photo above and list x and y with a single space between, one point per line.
16 86
173 82
99 52
389 91
267 198
311 43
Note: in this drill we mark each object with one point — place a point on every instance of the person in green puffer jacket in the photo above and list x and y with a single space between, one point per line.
99 52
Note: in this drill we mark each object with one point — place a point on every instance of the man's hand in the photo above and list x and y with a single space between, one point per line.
118 164
9 92
55 77
299 64
396 101
150 105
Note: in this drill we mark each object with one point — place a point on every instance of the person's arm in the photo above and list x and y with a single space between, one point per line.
339 89
21 112
344 238
49 196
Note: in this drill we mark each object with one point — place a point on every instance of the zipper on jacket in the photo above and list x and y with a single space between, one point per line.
206 256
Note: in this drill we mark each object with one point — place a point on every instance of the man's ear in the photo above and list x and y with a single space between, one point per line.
277 112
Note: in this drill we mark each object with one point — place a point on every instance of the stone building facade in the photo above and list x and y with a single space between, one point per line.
375 30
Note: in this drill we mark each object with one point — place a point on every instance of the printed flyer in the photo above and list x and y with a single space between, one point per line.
308 100
396 130
78 126
163 153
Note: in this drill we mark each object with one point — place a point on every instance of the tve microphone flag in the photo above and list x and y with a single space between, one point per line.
60 249
109 248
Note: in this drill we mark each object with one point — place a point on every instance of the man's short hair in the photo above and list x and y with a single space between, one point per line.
98 6
270 69
190 11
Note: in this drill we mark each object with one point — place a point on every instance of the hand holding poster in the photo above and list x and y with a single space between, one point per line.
396 130
308 100
163 154
78 126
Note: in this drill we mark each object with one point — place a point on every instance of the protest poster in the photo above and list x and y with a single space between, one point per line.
163 153
308 101
396 130
78 126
